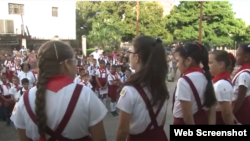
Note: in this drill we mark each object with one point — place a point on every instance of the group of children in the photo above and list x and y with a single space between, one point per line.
211 86
104 79
10 94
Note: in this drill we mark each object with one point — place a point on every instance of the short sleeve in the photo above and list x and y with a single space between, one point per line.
110 79
222 92
183 90
97 72
19 122
244 79
126 100
76 80
97 111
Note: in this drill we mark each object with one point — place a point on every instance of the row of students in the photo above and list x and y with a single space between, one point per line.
10 93
106 81
195 96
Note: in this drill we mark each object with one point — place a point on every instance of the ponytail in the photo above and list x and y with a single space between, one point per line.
210 98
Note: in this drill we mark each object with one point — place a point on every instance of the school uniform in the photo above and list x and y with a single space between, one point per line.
102 74
223 89
79 67
190 87
18 69
79 80
10 69
145 121
242 78
113 88
4 90
29 75
92 72
120 74
68 95
17 95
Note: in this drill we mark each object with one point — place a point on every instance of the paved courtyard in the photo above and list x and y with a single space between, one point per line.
110 123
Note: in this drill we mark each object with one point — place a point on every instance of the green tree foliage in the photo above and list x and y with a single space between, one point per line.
218 27
110 22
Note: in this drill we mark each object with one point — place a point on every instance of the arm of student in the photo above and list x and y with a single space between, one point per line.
226 112
97 132
223 93
244 83
97 112
240 98
186 107
184 95
123 126
212 115
22 135
97 81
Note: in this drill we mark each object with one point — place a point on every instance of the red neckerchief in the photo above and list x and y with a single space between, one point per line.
57 82
194 69
114 76
102 71
7 85
18 67
243 67
17 87
222 75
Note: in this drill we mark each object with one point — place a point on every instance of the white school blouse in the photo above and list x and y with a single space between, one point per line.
223 92
241 79
88 112
29 75
184 92
132 103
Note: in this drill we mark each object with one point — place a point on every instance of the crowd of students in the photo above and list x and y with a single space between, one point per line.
72 89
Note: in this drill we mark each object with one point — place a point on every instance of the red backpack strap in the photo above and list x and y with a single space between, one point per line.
152 115
195 93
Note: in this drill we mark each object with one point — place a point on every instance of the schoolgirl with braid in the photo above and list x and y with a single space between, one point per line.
57 108
194 91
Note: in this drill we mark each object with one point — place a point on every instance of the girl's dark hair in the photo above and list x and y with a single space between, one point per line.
151 53
200 55
102 62
245 47
22 66
25 80
222 56
50 56
108 64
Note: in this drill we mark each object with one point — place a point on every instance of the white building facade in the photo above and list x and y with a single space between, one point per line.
44 19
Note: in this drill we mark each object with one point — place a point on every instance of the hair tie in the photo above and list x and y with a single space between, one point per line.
231 56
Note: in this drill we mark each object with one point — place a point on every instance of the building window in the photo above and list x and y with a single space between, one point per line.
16 9
54 11
6 26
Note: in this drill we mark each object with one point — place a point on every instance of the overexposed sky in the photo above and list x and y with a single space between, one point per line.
240 7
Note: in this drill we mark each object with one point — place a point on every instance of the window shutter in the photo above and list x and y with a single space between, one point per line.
1 26
9 26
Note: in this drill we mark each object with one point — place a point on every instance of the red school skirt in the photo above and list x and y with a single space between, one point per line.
219 119
243 114
102 81
156 134
9 75
200 118
113 91
5 103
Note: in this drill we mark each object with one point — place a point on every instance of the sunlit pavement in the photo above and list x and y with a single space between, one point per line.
110 123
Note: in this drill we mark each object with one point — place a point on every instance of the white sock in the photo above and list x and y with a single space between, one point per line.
114 106
104 101
111 107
